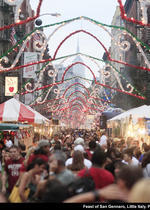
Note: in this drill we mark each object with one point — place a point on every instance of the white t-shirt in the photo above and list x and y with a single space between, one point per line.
87 162
103 140
146 171
8 143
134 162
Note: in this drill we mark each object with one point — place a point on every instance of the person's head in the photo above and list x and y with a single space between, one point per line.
78 161
146 147
79 148
79 141
8 137
118 166
145 159
137 152
38 164
43 147
127 155
98 157
92 145
57 146
14 152
128 176
54 192
57 160
5 154
140 193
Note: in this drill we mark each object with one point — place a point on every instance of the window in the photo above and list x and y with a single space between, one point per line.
1 3
148 14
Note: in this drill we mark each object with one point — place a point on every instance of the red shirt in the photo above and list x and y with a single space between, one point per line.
101 177
12 168
31 158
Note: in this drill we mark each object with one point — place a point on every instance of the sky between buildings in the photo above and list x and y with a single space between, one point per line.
99 10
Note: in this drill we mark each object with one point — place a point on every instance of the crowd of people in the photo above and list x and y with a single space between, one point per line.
75 166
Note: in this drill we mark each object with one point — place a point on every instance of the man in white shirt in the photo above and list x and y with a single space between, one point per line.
103 141
129 159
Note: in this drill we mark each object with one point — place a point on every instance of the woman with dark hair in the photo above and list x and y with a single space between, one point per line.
77 162
28 179
146 164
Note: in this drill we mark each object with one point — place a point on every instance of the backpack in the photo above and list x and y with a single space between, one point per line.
81 185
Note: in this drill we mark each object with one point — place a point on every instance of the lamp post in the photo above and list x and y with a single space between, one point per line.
38 21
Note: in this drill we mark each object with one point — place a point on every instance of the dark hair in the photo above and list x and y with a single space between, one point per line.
36 161
40 151
57 146
130 175
128 152
145 159
98 157
55 192
92 144
77 161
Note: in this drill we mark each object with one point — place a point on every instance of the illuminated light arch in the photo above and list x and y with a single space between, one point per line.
106 86
77 91
79 31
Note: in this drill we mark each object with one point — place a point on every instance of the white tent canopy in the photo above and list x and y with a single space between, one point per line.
15 111
138 112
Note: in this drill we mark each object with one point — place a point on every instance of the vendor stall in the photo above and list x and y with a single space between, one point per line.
132 123
13 111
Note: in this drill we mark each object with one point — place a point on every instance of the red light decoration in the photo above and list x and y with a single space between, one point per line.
131 20
24 21
103 85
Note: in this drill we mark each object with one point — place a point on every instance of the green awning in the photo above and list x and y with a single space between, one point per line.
12 127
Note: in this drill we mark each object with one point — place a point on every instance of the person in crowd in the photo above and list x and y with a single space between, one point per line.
79 141
140 193
56 139
22 148
87 162
41 151
77 162
58 168
101 176
117 167
146 164
28 179
145 148
5 156
103 141
92 146
8 141
12 169
127 177
54 192
3 198
128 157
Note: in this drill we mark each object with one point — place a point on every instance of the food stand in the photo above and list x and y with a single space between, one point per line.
14 115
